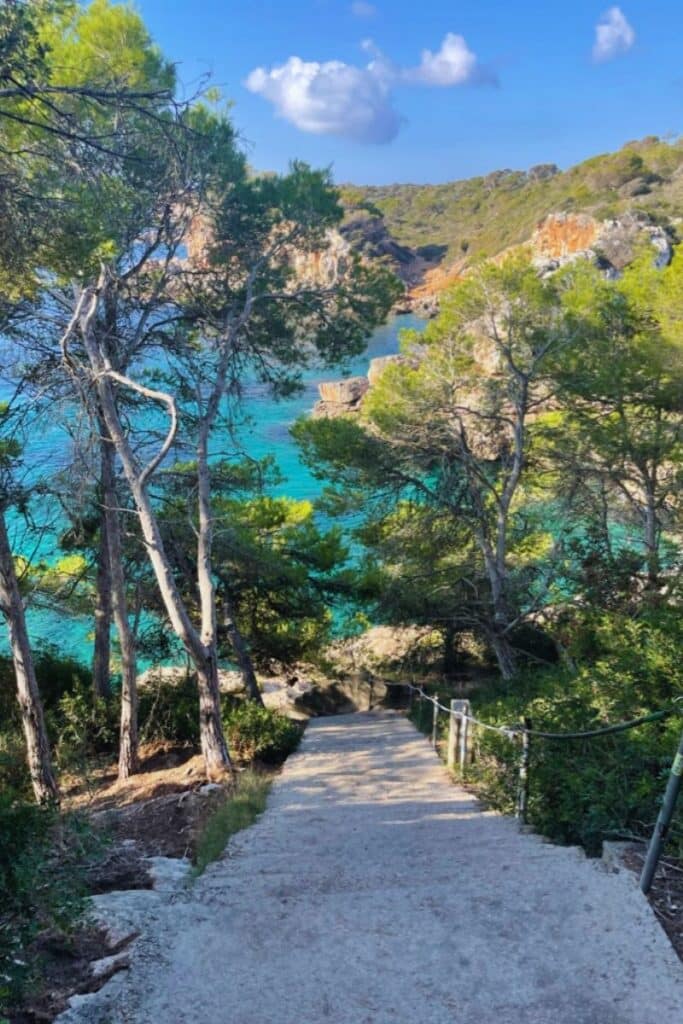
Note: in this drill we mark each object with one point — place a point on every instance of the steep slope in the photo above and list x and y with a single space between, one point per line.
447 226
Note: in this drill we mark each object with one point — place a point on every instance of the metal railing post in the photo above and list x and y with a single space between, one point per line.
663 820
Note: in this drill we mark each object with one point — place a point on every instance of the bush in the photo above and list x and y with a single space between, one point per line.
14 775
40 883
168 711
255 732
56 677
585 791
84 726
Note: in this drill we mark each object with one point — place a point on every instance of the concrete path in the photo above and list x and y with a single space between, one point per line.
373 891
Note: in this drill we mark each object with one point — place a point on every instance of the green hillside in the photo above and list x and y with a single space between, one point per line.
481 216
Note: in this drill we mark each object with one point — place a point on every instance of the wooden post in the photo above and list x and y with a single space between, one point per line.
453 730
435 719
464 731
458 707
523 791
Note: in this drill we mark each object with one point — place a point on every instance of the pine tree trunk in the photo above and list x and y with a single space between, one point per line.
129 762
239 646
101 662
214 748
505 655
33 721
203 657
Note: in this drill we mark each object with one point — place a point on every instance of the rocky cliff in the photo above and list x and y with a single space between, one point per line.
430 234
559 239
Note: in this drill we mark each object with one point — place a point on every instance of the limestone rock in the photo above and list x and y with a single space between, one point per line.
323 267
345 392
565 237
230 681
340 397
386 650
108 966
379 365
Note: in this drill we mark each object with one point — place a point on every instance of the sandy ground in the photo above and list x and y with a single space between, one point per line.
373 891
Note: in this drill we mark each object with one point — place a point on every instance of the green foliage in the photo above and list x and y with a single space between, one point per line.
84 726
586 791
40 883
168 711
277 570
484 215
258 733
238 812
14 776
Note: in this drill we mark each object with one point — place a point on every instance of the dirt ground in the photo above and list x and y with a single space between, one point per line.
666 895
160 812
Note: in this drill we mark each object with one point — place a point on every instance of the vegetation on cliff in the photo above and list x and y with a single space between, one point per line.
481 216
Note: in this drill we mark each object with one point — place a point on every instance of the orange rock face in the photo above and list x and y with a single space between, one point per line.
438 279
563 234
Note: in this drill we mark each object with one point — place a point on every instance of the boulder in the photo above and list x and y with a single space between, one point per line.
385 651
230 681
344 392
340 397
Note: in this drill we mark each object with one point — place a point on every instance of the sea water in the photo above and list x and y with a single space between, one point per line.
266 432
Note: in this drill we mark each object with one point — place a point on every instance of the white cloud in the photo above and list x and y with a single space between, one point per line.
361 9
613 35
331 98
334 98
453 64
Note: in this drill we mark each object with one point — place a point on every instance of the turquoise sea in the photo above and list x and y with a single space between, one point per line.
266 434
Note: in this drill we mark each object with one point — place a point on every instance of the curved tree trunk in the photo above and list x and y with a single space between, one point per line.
202 655
37 744
101 662
129 762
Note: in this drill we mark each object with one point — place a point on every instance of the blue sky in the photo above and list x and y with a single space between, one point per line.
403 90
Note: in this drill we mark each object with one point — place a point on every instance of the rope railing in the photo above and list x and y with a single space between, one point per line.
460 718
516 730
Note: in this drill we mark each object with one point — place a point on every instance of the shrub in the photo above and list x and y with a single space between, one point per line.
168 711
585 791
40 882
84 726
14 775
255 732
56 676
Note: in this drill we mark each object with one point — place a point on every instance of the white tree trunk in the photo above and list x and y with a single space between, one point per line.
129 762
214 748
101 662
33 721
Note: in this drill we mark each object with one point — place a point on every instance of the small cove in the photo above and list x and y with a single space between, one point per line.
266 433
